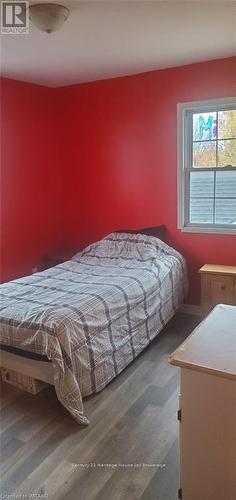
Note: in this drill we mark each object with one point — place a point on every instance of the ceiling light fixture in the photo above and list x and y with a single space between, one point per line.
48 17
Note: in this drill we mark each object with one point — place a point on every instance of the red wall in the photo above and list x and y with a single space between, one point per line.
122 145
106 159
31 178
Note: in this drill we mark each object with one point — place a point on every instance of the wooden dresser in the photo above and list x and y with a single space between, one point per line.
208 408
218 286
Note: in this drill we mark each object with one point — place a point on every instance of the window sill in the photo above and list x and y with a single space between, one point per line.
209 230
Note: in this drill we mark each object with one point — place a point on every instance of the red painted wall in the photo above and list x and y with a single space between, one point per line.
122 151
83 160
32 180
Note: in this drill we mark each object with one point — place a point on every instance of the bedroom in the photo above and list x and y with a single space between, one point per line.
89 146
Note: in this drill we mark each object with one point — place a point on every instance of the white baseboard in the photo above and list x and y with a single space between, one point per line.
190 309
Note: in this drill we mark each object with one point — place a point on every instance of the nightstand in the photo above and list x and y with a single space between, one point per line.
58 258
218 286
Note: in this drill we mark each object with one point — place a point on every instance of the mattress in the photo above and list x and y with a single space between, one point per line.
91 316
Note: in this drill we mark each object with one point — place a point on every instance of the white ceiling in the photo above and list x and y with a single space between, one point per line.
103 39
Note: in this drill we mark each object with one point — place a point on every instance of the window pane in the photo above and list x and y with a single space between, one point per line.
225 205
204 126
227 153
225 211
204 154
201 184
227 124
226 184
201 197
201 210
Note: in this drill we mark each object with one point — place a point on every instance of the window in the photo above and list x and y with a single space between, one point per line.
207 166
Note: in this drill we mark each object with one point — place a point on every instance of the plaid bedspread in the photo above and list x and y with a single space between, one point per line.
95 313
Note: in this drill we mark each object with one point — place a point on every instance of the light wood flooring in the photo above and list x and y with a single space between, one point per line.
132 422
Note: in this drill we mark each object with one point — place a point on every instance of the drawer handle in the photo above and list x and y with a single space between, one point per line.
222 287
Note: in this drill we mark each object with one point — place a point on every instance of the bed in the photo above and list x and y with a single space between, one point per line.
89 317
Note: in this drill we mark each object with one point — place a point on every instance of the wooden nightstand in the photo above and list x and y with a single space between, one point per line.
58 258
218 286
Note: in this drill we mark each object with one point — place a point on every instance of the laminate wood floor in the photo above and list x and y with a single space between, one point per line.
128 452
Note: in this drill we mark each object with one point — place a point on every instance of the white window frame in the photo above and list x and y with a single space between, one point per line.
184 139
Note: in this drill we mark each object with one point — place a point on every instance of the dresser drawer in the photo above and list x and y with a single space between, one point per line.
234 292
216 289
